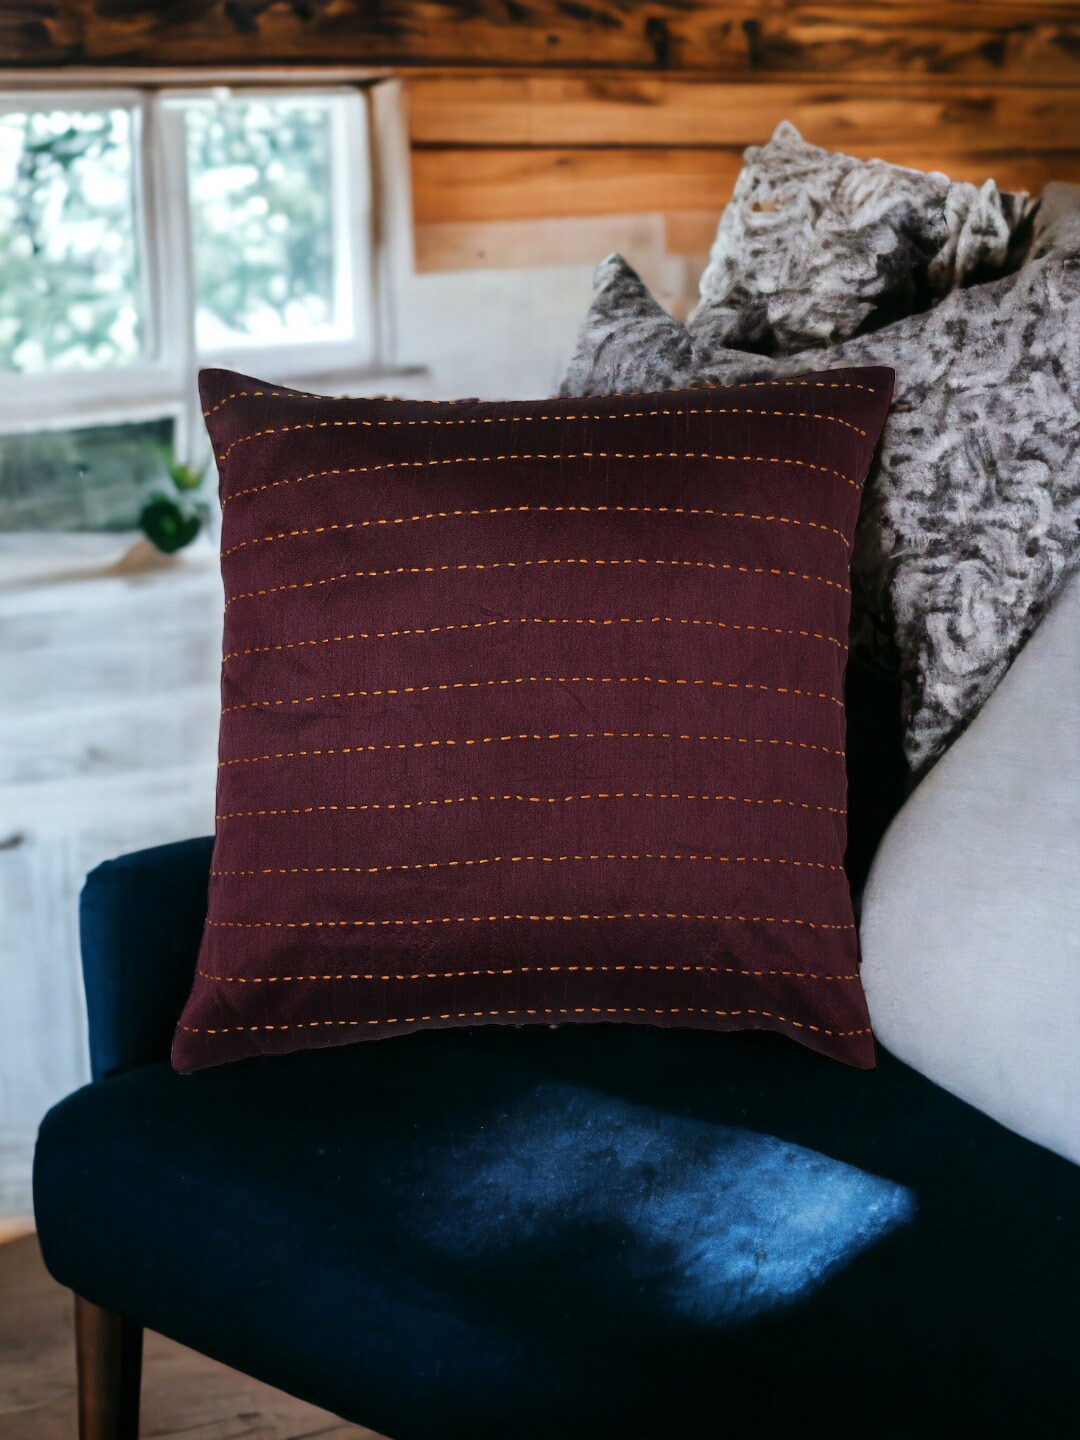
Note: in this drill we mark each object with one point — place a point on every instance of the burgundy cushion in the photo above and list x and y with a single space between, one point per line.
533 712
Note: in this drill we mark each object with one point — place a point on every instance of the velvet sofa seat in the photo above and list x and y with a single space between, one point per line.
597 1231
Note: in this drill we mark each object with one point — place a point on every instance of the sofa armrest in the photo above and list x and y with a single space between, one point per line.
140 921
971 916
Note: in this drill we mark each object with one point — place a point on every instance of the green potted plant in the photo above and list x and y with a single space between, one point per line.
171 521
171 517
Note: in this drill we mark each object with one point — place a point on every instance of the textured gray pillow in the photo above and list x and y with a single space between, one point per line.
971 514
816 246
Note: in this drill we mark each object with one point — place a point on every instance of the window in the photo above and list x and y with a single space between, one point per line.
68 256
145 234
263 244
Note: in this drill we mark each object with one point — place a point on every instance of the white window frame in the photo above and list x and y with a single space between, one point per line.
351 218
32 402
161 382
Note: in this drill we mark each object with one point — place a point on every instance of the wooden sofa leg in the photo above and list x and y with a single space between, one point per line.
108 1352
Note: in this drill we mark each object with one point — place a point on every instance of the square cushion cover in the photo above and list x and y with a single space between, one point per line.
533 713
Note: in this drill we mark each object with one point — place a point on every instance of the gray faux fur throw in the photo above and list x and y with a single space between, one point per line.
971 513
816 246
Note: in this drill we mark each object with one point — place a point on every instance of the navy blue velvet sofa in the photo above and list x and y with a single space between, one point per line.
598 1231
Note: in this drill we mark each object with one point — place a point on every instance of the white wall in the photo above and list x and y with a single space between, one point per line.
492 333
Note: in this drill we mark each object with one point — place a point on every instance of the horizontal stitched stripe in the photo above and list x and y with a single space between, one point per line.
520 859
533 680
477 919
499 459
534 510
523 799
533 419
530 735
771 630
584 969
546 1010
714 565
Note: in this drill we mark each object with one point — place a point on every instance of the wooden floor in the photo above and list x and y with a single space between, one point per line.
183 1393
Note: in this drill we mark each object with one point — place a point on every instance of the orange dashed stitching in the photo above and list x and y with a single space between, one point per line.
613 395
502 739
586 969
483 919
448 685
523 799
546 1010
536 510
488 459
527 564
532 620
533 419
273 394
622 415
521 860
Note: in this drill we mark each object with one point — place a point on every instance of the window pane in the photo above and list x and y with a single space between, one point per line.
68 264
90 479
260 174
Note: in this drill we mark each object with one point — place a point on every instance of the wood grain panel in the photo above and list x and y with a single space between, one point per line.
1023 40
458 185
519 244
473 185
569 110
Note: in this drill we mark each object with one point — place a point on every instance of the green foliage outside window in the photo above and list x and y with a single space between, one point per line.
68 264
260 177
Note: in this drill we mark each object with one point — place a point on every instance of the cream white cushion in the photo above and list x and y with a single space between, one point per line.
971 914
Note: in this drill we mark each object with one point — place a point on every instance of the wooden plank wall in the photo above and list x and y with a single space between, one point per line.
1033 41
528 113
489 149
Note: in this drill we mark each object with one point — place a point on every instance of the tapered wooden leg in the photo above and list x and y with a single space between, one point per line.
108 1351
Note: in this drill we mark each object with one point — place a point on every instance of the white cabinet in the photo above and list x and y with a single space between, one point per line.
108 737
